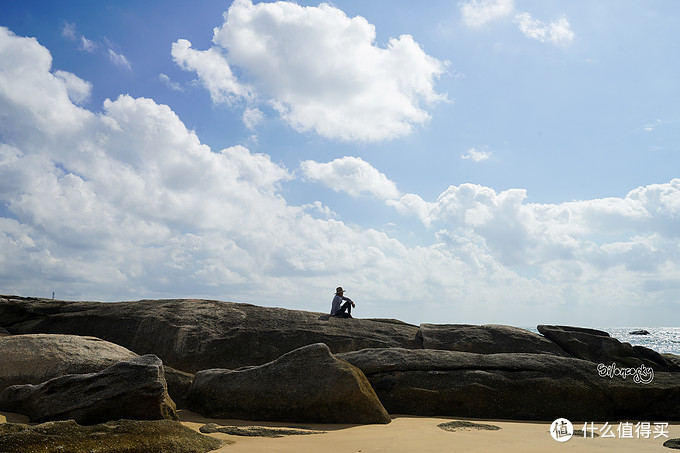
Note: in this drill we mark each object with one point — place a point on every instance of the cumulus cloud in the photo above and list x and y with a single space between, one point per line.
212 69
477 13
252 117
475 155
78 89
128 203
321 70
557 32
352 175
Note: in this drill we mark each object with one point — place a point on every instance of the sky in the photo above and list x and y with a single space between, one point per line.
474 161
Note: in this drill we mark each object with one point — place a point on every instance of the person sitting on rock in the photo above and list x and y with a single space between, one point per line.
340 309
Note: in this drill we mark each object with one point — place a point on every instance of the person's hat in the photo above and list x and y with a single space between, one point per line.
339 290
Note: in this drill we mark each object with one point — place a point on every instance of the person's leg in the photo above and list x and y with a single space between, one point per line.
345 307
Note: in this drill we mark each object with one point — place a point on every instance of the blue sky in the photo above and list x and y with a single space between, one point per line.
480 161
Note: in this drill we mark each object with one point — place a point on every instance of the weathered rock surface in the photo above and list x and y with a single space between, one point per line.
485 339
193 335
129 436
36 358
513 386
256 431
672 443
305 385
135 389
32 359
597 346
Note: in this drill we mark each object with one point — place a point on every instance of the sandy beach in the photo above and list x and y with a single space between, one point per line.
411 434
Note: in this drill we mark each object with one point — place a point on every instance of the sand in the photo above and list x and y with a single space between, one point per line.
409 434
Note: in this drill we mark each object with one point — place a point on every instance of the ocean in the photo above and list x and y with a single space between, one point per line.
660 339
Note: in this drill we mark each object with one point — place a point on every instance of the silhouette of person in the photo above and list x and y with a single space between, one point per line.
341 305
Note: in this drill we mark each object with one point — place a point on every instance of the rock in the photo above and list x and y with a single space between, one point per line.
256 431
597 346
305 385
32 359
486 339
135 389
4 332
510 386
193 335
36 358
466 426
130 436
639 332
672 443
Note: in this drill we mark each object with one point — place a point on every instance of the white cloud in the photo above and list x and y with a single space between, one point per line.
557 32
252 117
475 155
87 45
165 79
321 70
128 203
119 59
352 175
212 69
70 32
477 13
78 89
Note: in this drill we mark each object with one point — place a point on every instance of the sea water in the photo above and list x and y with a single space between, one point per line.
660 339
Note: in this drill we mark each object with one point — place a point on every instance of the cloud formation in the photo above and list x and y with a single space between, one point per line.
475 155
70 32
477 13
126 202
321 70
352 175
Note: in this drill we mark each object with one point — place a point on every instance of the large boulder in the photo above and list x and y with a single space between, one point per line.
513 386
598 346
485 339
36 358
193 335
130 436
135 389
306 385
32 359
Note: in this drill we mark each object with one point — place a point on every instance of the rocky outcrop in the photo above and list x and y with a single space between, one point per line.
597 346
305 385
36 358
486 339
639 332
135 389
130 436
513 386
193 335
32 359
